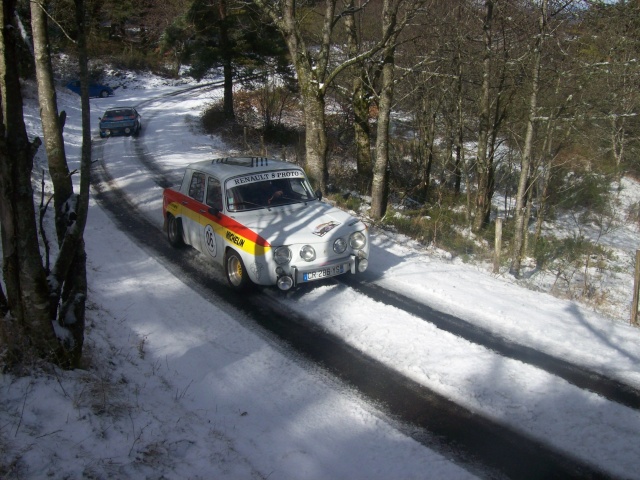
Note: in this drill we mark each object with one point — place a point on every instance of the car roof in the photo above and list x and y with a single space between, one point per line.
228 167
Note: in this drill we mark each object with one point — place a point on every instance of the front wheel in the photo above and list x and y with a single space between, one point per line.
174 231
236 272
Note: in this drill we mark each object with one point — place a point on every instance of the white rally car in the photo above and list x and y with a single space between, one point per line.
261 220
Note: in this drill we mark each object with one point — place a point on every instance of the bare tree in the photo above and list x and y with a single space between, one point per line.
46 303
25 278
51 122
385 103
361 100
483 166
316 70
525 164
313 77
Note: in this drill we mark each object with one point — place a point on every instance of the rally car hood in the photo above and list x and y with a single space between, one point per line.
300 224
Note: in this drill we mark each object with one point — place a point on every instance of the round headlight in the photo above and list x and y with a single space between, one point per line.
340 245
357 240
285 283
282 255
307 253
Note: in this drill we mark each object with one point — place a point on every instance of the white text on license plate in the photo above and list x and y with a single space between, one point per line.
324 272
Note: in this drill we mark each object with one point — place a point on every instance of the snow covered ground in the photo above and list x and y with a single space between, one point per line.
175 388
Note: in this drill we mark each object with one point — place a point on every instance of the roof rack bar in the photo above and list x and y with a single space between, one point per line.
243 161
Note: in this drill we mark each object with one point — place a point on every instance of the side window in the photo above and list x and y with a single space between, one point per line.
214 193
196 188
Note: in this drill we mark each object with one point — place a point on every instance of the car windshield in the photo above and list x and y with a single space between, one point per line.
268 193
121 112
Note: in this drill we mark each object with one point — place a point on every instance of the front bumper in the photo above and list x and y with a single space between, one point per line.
117 129
352 263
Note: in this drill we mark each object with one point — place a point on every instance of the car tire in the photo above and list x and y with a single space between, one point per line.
236 272
174 231
104 94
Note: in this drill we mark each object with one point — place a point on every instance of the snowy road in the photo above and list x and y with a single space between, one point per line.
419 412
486 400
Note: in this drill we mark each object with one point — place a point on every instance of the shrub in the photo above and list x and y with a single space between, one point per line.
588 191
347 202
441 225
213 117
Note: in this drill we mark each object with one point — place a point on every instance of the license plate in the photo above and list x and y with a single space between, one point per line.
324 272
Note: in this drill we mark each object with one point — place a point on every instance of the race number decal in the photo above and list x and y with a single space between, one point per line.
210 240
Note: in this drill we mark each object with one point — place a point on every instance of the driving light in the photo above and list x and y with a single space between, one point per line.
285 283
363 263
307 253
340 245
357 240
282 255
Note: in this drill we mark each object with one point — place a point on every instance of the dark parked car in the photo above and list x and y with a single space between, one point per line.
95 89
120 120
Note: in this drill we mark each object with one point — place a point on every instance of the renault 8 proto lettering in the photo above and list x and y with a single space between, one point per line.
261 221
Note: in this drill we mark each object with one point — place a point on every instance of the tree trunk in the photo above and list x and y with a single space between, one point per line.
364 162
24 275
381 165
379 190
459 142
430 134
521 221
618 131
315 140
361 102
226 61
311 78
51 127
483 200
72 311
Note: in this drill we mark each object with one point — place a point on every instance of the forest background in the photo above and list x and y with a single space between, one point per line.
520 110
444 118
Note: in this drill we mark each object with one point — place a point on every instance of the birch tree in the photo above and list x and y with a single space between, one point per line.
525 164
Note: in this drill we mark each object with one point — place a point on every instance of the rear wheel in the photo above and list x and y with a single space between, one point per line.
236 272
104 94
174 231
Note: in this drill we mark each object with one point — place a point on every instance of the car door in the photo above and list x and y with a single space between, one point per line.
192 210
210 239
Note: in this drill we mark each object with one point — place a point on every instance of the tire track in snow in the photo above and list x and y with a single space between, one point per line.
579 376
